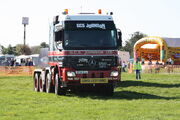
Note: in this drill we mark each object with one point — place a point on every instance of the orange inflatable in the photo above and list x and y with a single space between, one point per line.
158 49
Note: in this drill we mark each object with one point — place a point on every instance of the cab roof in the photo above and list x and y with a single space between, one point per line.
88 17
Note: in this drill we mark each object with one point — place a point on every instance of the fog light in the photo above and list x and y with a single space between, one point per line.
114 74
71 74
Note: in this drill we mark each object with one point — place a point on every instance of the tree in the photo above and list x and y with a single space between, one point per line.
1 48
129 44
9 50
27 50
21 49
35 49
44 45
4 50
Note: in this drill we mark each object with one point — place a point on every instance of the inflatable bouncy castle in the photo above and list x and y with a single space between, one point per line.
158 49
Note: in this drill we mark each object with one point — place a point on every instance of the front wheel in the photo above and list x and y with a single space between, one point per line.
59 90
107 90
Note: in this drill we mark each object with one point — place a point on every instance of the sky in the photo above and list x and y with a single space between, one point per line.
152 17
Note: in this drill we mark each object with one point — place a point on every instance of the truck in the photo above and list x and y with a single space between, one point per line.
82 54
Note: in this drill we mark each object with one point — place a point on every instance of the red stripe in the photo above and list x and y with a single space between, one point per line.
53 63
81 52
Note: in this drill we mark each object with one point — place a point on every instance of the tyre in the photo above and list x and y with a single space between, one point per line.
36 82
107 90
49 86
58 89
41 85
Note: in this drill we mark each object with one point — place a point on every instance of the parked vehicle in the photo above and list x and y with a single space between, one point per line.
82 54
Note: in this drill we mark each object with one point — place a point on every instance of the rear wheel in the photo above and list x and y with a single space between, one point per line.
49 86
36 82
41 85
59 90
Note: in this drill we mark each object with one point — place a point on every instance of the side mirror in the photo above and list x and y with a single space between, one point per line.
59 36
119 38
58 29
55 20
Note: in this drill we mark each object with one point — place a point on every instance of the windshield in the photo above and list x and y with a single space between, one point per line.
90 39
90 35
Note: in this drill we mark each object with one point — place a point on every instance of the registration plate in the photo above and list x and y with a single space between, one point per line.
94 80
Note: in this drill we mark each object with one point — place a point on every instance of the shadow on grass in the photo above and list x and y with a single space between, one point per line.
147 84
128 95
135 95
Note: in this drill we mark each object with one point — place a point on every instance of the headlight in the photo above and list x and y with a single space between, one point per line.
114 74
71 74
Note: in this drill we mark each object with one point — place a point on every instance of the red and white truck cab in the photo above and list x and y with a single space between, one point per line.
83 53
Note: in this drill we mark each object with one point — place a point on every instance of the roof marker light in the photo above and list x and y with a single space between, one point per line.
65 12
99 11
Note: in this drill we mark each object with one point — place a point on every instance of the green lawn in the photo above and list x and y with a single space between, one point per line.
155 97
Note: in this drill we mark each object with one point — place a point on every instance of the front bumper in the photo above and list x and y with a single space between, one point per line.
89 77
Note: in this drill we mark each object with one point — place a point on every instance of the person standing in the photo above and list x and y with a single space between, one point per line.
142 61
30 63
12 62
137 67
123 66
157 67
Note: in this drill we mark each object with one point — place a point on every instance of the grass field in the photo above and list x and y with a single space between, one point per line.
155 97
